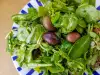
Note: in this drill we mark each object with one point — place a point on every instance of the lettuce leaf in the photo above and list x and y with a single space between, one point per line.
69 23
36 34
22 34
88 12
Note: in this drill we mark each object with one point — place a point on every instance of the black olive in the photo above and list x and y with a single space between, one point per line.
48 24
51 38
36 53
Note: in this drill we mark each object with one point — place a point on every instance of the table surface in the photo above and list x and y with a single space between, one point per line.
7 9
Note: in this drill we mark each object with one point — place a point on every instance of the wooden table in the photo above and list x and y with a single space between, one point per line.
7 9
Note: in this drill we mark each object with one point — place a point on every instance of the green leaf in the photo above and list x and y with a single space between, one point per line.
78 1
55 17
65 72
34 65
92 60
56 68
21 53
28 40
28 52
46 48
93 34
91 2
99 15
22 34
65 46
69 23
76 66
79 29
88 12
59 5
80 47
46 59
89 70
20 17
42 11
32 13
36 35
56 57
12 43
82 23
43 1
64 55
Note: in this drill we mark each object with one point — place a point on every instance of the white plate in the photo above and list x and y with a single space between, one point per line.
25 70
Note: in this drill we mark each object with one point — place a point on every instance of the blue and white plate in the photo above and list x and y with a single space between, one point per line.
25 70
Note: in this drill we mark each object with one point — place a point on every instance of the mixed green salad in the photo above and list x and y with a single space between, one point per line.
62 37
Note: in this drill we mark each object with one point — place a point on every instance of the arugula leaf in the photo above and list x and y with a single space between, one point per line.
56 57
56 68
46 59
12 43
34 65
21 53
20 17
32 15
46 48
64 73
28 53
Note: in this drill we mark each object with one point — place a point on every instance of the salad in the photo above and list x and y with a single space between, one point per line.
62 37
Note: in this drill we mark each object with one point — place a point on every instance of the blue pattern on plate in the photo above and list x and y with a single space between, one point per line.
39 3
31 71
96 73
41 73
14 28
19 68
84 74
98 8
30 5
14 58
23 12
